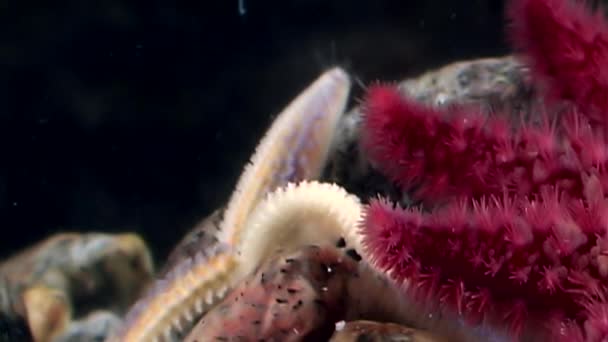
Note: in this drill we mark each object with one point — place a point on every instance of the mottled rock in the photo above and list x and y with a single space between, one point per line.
69 275
48 311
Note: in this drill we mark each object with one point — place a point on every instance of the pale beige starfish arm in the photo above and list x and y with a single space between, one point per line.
295 147
307 213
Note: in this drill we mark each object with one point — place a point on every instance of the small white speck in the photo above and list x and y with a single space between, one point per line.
441 99
324 289
15 204
340 325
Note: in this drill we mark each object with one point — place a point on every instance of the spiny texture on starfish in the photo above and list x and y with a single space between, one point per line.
289 218
461 152
566 45
322 214
297 215
521 241
294 148
501 261
191 287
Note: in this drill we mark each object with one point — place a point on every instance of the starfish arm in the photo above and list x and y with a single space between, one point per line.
504 262
294 148
565 43
187 291
440 153
298 215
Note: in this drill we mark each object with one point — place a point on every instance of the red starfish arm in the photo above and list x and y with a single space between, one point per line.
566 45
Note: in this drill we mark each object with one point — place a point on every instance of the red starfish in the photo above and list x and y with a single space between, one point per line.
521 238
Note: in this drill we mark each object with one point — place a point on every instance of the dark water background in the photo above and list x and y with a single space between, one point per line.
139 115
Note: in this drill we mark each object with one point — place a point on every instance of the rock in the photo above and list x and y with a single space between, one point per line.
13 326
69 275
95 327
